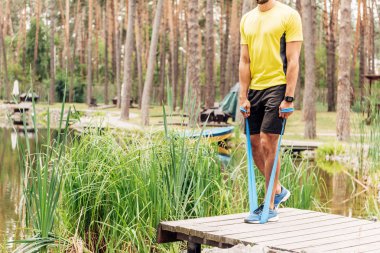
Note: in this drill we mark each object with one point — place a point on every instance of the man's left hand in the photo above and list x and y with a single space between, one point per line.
284 105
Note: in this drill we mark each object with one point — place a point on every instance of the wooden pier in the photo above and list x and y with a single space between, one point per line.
296 231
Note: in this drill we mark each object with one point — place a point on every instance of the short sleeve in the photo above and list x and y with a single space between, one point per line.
294 28
243 38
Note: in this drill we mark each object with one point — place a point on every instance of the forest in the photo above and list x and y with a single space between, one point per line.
140 50
108 151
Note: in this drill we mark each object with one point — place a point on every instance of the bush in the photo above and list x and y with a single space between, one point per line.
62 80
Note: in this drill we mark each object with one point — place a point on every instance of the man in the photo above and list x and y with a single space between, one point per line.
271 39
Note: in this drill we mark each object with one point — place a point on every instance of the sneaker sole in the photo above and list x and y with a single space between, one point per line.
252 222
273 219
287 196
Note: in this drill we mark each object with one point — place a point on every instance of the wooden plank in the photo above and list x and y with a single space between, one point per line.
228 231
337 242
164 236
295 230
334 232
280 228
219 218
240 223
299 219
369 247
312 229
204 227
240 220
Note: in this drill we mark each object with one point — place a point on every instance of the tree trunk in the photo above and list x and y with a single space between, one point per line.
77 23
363 50
297 93
97 31
67 34
210 54
162 53
38 7
89 54
105 26
127 81
173 26
224 50
151 65
139 60
52 54
161 90
355 52
371 54
309 111
331 60
343 102
193 60
233 48
117 53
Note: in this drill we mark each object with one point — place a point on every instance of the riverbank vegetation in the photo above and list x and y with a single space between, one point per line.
110 189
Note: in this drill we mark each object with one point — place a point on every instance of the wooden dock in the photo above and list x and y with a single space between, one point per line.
299 146
296 231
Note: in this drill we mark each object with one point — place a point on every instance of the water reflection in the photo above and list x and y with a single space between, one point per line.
343 195
10 187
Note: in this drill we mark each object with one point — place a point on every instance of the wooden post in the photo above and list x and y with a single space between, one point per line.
193 247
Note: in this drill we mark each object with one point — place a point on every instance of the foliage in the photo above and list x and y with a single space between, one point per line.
328 156
42 63
61 80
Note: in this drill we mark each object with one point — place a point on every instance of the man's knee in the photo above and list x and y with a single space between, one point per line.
268 142
256 142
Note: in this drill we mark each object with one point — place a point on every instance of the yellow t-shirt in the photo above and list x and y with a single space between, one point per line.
266 34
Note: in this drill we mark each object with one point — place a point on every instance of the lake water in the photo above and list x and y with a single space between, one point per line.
10 187
342 195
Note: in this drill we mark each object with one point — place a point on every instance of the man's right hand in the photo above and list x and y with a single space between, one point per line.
244 103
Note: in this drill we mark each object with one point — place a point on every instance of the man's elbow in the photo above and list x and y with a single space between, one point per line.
244 60
293 62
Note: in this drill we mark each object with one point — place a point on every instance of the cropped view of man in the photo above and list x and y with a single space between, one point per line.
271 40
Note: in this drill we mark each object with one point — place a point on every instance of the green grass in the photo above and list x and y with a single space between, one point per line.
118 188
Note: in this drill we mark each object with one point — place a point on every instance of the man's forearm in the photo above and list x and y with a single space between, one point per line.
244 79
291 78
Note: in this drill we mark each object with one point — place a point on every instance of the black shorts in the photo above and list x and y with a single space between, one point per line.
264 110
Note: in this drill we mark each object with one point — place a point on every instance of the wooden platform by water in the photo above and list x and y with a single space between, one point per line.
296 231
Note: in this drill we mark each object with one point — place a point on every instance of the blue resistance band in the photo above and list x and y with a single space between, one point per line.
251 174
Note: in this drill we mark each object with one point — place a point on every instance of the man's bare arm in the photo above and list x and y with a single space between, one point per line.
244 79
293 50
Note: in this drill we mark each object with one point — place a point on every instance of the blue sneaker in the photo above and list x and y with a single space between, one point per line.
273 215
259 209
253 218
282 197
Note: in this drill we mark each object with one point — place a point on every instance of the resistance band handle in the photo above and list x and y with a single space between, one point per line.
284 110
243 110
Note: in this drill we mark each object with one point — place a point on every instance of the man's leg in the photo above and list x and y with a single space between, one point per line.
269 146
260 158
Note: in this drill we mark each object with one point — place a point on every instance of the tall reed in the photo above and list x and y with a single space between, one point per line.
42 183
118 188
